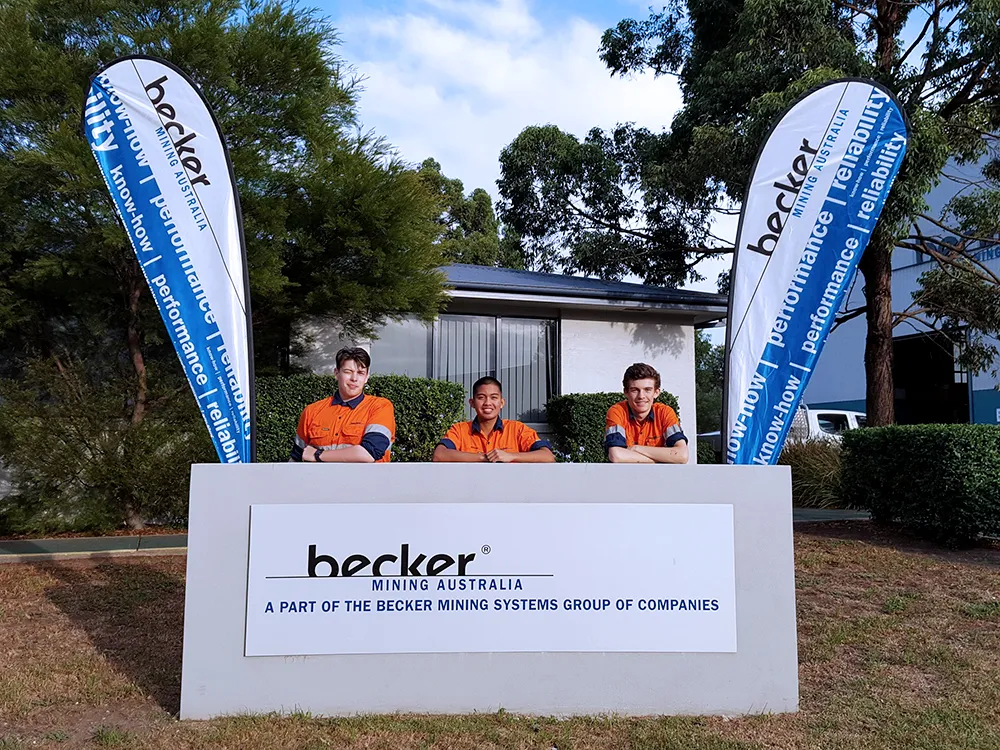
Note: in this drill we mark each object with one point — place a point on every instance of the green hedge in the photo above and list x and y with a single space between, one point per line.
577 422
942 480
706 453
425 409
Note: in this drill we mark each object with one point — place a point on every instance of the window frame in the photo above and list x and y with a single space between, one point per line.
555 365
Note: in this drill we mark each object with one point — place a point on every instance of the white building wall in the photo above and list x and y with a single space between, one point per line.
595 352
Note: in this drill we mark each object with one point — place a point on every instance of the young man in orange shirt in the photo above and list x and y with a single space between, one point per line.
639 430
488 438
350 427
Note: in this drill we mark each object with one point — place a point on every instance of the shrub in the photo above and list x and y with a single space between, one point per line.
941 480
706 453
425 409
815 472
577 422
78 462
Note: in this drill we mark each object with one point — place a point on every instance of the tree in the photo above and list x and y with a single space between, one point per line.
470 232
709 362
335 224
740 65
593 208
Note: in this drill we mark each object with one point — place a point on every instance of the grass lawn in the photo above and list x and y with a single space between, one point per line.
899 647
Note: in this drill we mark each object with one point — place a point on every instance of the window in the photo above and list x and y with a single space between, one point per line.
833 424
519 352
862 420
403 348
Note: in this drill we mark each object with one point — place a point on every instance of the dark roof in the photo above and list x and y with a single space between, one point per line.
488 279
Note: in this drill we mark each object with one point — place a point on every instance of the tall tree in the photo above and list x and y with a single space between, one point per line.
709 360
741 64
335 224
593 207
470 232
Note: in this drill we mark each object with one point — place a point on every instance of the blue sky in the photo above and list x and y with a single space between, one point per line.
457 80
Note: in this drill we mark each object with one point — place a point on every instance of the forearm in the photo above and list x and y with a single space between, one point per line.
444 454
353 455
540 456
618 455
677 454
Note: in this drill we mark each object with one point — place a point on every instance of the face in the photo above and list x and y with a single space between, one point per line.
351 379
640 395
487 402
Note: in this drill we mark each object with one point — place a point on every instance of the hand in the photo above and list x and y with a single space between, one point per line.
496 456
309 453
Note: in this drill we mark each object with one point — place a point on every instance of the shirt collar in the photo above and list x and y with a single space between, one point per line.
498 426
338 401
634 418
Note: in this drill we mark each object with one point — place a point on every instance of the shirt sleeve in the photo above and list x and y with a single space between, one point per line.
614 430
300 442
451 438
528 440
672 433
380 432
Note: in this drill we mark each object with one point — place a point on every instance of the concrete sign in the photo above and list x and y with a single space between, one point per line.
543 589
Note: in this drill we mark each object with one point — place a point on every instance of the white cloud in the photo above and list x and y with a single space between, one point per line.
458 80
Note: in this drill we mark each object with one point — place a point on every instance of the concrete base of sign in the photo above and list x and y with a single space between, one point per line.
761 677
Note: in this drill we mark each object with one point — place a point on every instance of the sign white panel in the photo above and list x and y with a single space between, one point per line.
491 577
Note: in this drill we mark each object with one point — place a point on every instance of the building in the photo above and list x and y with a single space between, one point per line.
929 385
542 335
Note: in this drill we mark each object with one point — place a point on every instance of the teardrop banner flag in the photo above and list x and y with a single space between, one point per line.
164 159
816 193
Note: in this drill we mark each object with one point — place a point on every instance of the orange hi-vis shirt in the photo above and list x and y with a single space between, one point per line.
332 424
507 435
661 427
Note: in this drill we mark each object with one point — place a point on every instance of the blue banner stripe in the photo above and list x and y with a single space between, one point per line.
167 259
822 277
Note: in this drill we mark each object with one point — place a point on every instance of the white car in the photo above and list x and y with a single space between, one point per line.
818 424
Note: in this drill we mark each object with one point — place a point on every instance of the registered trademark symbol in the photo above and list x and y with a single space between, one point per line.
486 549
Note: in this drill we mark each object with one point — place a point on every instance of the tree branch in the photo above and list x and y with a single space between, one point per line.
963 97
931 18
701 250
850 315
858 11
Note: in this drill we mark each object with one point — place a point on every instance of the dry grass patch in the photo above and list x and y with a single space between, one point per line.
899 646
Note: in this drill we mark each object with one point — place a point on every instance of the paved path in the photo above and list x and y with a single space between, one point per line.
66 548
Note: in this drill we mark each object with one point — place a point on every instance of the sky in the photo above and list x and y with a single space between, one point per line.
457 80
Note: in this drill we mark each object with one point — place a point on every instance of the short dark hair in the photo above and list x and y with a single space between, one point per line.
640 371
354 354
488 380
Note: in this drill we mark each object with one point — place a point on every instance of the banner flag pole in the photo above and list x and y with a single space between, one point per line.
164 159
815 195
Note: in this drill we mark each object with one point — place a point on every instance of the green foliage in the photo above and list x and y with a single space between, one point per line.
578 207
578 421
709 365
627 200
78 460
815 472
706 453
963 298
335 223
941 480
424 408
470 231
